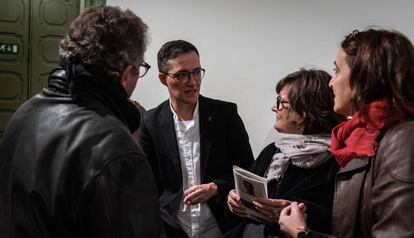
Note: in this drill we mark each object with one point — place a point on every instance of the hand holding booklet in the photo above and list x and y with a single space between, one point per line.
250 186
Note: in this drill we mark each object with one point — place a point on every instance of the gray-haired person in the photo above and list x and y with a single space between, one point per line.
68 164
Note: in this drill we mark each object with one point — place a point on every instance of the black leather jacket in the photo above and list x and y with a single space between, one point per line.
72 169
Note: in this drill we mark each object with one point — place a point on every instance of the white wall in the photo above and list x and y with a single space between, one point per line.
246 46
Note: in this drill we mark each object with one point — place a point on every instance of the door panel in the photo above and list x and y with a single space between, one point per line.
89 3
50 22
14 35
30 32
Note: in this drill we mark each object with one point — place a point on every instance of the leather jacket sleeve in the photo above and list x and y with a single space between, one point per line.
392 195
121 201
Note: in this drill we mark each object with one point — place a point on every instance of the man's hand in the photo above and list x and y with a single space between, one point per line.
235 205
200 193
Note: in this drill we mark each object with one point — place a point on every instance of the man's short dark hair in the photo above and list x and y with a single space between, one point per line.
172 50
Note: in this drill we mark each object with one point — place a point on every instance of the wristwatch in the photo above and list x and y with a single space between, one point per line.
304 233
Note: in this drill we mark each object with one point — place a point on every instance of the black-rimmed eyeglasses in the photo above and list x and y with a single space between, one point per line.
184 76
143 69
281 104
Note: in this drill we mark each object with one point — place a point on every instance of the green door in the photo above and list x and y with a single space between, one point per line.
14 71
30 31
50 20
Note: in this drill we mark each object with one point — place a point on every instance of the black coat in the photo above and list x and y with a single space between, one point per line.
314 187
223 143
72 169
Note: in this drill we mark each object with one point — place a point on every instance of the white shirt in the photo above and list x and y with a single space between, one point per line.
196 220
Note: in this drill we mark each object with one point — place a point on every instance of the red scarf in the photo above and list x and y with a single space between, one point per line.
356 138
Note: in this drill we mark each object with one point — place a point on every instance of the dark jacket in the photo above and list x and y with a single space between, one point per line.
314 187
71 169
223 143
374 197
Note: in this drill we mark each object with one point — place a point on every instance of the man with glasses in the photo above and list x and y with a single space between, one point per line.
192 142
69 166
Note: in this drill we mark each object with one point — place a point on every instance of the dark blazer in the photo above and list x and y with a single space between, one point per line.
223 143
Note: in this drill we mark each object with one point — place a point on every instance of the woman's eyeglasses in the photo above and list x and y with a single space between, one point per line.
281 104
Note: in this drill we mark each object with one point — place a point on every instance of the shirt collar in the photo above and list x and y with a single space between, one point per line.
175 116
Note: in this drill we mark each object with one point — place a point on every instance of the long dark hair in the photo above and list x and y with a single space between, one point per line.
382 66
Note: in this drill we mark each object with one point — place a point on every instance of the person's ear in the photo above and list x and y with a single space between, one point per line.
125 75
128 79
163 78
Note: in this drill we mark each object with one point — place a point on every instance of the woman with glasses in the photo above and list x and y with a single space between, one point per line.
298 165
374 190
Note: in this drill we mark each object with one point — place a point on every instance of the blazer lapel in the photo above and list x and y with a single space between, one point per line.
206 126
167 130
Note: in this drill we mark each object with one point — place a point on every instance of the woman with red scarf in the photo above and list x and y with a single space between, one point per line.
374 194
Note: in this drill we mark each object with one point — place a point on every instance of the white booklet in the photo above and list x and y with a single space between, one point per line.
250 186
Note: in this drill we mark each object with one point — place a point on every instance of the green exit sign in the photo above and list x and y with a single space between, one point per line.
9 48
